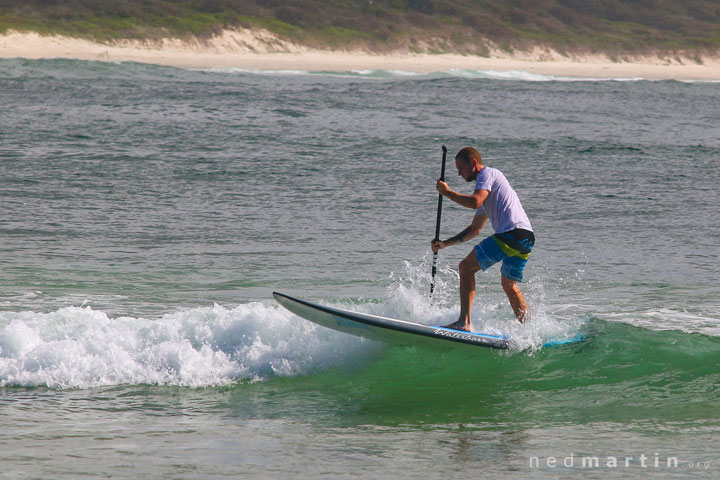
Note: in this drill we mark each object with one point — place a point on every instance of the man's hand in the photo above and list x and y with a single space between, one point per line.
443 188
437 245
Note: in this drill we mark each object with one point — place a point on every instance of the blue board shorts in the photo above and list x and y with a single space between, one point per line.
512 247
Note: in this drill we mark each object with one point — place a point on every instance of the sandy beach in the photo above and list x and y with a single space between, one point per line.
261 50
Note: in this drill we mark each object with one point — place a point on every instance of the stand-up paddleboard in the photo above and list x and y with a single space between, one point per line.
394 331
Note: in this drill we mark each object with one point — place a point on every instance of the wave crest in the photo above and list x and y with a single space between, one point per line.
82 348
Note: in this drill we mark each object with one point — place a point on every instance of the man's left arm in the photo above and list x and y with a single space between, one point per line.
473 201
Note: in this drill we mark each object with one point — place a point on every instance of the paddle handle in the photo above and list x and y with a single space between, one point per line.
437 221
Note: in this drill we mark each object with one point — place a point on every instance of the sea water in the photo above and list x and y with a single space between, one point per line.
149 212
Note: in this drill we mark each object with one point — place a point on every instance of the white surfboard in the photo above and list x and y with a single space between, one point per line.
391 330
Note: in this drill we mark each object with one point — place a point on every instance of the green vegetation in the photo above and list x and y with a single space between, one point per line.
615 26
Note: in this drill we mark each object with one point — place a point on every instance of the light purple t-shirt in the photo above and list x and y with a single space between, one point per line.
502 204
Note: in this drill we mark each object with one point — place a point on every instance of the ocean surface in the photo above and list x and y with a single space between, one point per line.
149 212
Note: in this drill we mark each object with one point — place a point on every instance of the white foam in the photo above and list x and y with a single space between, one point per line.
386 73
520 75
498 74
81 347
676 318
515 75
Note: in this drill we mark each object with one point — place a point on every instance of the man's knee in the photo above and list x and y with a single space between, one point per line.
468 266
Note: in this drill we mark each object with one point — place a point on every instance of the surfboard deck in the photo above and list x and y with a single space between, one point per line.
390 330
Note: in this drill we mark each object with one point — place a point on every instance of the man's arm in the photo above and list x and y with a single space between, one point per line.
472 231
470 201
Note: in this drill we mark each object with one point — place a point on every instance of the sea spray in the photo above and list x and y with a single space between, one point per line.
407 298
81 348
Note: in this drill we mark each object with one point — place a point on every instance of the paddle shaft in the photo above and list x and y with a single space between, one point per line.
437 222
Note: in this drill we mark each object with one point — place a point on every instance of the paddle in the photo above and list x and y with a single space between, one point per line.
437 223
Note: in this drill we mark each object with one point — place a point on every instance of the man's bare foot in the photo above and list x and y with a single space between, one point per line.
459 325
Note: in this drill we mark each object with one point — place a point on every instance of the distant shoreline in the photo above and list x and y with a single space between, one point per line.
262 51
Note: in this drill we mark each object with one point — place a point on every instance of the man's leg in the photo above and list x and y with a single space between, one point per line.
468 267
517 300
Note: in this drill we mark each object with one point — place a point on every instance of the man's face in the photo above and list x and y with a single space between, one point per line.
466 169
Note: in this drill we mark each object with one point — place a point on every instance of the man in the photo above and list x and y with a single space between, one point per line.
495 199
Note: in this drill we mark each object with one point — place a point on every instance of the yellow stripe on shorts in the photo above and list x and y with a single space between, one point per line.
509 251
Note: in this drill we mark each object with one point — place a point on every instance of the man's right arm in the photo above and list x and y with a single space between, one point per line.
470 232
